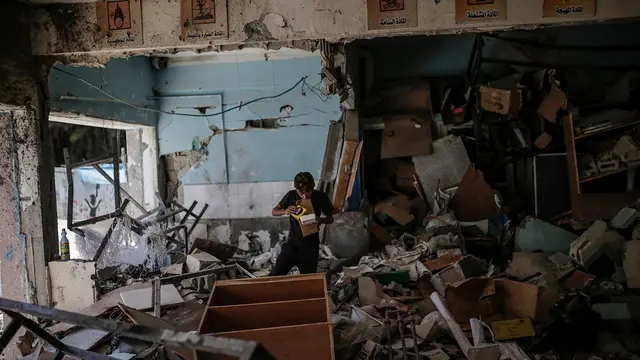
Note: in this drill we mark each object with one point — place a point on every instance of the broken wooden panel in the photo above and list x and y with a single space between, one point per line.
288 315
309 342
344 173
406 136
265 315
262 292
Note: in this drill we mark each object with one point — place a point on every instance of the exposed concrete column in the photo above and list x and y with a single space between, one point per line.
27 195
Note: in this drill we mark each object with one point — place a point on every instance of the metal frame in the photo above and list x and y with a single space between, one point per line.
241 349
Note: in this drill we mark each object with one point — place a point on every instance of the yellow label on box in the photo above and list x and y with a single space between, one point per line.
512 329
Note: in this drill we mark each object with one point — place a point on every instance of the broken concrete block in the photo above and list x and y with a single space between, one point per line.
200 260
595 242
175 269
169 163
624 218
631 263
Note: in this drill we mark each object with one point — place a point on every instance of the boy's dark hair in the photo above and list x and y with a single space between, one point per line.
304 182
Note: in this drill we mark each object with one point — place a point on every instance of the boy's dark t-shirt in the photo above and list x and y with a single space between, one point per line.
321 205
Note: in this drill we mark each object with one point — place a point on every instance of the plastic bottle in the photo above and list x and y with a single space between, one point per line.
64 246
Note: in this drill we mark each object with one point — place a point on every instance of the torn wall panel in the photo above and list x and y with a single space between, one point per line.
72 284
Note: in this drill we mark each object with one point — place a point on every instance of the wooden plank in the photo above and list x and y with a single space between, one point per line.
262 292
309 342
271 279
265 315
331 151
344 173
354 172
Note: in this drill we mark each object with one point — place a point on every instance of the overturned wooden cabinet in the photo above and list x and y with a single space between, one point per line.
288 315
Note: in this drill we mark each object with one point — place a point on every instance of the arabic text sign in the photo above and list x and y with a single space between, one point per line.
119 23
388 14
203 19
480 10
569 8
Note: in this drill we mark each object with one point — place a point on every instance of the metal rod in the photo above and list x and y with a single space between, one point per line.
178 278
116 170
124 192
91 162
67 165
97 219
402 339
156 298
197 220
44 335
9 332
104 241
243 349
245 271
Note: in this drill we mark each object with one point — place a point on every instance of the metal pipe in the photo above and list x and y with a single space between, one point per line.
126 194
116 170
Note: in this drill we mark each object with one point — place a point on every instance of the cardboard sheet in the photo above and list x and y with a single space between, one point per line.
406 136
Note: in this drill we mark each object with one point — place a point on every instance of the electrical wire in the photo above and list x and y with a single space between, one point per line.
301 81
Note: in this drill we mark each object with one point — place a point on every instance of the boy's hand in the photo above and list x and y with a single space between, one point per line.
292 210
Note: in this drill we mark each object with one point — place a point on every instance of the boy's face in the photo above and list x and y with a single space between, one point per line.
304 195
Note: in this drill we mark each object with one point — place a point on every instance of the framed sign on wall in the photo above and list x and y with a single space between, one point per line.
569 8
203 19
468 11
119 23
389 14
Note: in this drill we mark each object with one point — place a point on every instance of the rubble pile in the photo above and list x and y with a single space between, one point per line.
436 294
465 264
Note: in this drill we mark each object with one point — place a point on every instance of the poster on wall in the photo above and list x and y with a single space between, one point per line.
568 8
119 23
390 14
468 11
203 20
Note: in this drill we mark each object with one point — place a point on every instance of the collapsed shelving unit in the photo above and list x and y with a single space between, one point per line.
288 315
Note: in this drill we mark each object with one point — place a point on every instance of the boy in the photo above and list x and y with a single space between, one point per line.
300 250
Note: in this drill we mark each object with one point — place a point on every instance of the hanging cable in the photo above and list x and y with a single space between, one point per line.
301 81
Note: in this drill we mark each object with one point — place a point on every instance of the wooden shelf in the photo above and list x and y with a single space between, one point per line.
288 315
605 174
614 127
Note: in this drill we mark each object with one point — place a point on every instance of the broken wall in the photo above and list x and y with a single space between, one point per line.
66 28
130 79
242 161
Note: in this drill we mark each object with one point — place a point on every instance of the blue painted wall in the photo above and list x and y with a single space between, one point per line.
129 79
238 155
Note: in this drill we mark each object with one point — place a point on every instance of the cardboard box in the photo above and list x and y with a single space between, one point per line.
500 101
499 298
406 135
553 102
396 207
